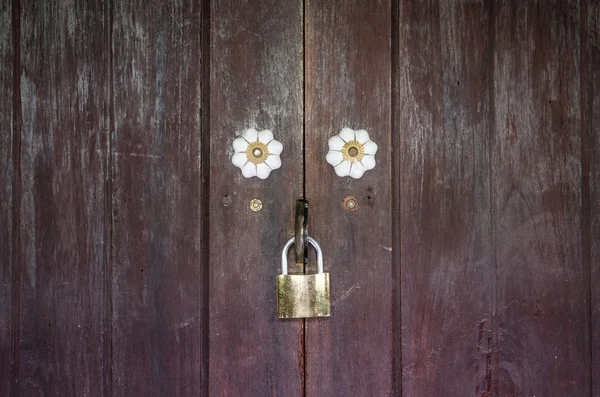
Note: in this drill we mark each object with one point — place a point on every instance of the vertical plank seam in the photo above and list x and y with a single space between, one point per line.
205 195
396 265
585 119
304 179
304 99
17 259
303 352
494 371
108 203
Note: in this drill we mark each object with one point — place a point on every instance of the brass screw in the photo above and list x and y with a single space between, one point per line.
350 203
255 205
353 151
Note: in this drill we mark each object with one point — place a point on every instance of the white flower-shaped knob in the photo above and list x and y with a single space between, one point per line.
257 153
351 153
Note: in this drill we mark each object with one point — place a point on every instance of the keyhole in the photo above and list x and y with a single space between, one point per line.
353 151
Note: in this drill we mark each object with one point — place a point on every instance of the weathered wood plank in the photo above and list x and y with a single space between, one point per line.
62 179
542 309
256 81
7 233
348 84
159 277
447 276
591 40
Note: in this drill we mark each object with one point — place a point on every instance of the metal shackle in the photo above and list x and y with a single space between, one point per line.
289 243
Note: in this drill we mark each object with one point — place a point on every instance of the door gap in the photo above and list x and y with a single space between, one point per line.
304 100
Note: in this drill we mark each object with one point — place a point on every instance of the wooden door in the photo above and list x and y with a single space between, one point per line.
133 264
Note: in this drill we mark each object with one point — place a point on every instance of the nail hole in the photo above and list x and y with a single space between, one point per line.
370 196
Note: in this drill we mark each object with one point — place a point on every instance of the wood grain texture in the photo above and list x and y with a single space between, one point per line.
543 328
447 276
488 162
158 274
348 84
592 128
256 81
61 215
7 236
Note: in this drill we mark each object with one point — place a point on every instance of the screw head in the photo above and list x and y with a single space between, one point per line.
350 203
255 205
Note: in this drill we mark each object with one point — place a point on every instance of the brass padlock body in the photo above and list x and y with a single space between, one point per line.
303 295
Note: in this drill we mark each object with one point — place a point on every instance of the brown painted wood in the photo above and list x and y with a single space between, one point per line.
591 206
488 170
542 309
7 231
62 227
158 257
447 276
256 81
348 84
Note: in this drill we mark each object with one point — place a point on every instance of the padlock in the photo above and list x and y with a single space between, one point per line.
303 295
